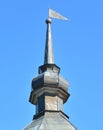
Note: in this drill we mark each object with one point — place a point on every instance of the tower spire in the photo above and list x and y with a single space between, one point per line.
49 56
49 91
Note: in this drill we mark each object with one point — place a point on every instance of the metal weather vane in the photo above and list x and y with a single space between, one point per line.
49 55
54 14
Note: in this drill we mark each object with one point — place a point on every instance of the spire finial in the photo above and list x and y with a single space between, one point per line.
49 55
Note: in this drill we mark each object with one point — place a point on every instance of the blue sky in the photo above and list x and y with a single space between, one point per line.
78 50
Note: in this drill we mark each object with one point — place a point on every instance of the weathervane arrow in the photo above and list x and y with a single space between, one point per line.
54 14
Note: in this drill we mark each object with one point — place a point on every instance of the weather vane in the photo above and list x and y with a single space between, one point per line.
49 55
54 14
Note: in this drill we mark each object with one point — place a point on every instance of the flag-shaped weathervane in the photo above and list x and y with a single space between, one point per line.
54 14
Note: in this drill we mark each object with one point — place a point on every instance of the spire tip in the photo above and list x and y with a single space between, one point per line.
48 20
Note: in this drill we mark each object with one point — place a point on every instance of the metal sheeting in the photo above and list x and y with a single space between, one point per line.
51 121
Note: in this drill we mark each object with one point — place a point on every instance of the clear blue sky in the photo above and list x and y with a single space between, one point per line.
78 50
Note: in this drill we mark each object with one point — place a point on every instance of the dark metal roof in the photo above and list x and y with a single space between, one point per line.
51 121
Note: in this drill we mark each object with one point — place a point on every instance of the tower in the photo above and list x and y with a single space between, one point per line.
49 91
